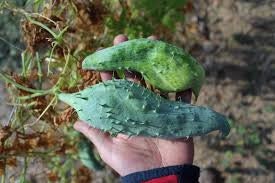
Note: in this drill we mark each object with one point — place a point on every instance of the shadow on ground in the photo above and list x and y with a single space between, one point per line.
255 51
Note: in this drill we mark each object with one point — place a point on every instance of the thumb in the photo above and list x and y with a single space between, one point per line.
101 140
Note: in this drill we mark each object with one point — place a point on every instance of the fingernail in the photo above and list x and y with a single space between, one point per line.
153 37
120 38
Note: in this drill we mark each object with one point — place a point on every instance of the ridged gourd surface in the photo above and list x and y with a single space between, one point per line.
121 106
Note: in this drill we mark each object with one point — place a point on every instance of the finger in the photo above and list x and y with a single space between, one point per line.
119 39
100 139
184 96
107 75
153 37
130 75
135 76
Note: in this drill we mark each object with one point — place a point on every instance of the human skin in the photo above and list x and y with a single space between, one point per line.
133 154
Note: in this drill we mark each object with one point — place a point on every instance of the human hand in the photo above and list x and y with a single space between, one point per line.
132 154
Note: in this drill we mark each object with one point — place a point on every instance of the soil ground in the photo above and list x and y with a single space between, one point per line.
235 41
237 48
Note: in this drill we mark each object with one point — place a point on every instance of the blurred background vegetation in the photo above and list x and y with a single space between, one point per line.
44 41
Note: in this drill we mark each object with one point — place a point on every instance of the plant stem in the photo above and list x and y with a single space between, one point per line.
23 64
40 74
51 55
4 172
23 175
26 62
22 105
60 35
43 26
3 177
9 80
11 115
45 110
11 45
61 77
32 96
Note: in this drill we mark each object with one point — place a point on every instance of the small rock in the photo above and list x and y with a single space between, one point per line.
208 46
272 137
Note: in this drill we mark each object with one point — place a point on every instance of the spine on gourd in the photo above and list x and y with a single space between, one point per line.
121 106
163 65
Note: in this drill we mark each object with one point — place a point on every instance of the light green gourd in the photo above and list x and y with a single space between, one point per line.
163 65
87 156
121 106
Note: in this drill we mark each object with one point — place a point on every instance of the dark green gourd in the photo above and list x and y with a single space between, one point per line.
121 106
163 65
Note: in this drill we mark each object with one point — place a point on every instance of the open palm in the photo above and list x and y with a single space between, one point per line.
132 154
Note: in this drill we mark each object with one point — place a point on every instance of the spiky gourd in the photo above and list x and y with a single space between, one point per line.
163 65
87 155
121 106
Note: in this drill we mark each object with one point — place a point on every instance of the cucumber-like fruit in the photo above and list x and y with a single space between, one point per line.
87 156
163 65
121 106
